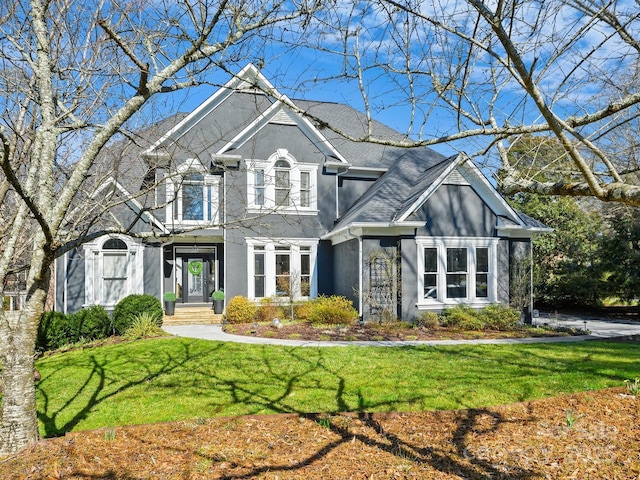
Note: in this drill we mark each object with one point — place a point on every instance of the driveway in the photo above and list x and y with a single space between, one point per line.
600 329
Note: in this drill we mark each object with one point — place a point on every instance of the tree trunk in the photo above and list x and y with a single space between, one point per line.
18 330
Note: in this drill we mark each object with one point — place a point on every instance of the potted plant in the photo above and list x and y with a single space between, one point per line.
169 303
218 301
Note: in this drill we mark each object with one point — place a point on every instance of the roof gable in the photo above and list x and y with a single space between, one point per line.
280 114
249 79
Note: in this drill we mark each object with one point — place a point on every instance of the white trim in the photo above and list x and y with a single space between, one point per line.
269 205
358 229
247 77
270 245
210 185
470 243
94 275
128 197
323 145
432 188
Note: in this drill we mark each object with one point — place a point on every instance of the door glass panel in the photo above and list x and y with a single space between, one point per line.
195 272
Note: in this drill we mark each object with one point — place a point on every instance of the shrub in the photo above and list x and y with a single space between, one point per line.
241 310
333 310
144 325
463 317
169 297
302 310
267 311
499 317
428 320
129 308
54 331
91 323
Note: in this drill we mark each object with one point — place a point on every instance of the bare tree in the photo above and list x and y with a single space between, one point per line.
471 72
75 76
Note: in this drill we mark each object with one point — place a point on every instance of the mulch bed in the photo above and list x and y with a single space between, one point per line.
584 436
392 331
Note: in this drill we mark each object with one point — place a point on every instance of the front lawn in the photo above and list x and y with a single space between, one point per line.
175 378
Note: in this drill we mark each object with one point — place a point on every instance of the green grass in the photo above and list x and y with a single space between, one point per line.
175 378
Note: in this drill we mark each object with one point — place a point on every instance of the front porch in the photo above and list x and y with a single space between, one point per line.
192 315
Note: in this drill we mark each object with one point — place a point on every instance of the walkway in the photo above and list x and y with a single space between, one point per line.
599 328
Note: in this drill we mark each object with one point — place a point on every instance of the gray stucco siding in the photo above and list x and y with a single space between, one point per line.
350 190
236 280
409 269
152 275
72 294
273 137
503 272
346 257
456 211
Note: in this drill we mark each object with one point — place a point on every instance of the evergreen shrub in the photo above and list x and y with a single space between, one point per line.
499 317
54 331
130 307
92 323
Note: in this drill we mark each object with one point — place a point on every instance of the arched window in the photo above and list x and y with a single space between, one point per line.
115 270
282 182
114 244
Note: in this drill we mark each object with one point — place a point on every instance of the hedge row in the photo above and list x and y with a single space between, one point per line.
94 323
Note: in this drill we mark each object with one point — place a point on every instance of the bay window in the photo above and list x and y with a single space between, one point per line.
456 270
282 268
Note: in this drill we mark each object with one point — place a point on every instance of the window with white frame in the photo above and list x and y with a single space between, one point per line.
113 270
282 183
457 270
194 195
281 268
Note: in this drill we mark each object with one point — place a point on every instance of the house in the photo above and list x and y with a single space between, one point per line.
255 197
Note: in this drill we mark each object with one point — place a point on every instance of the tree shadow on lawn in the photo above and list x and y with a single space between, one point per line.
98 393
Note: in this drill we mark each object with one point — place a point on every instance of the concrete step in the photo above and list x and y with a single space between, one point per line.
201 315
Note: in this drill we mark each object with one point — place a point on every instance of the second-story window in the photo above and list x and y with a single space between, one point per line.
282 184
194 195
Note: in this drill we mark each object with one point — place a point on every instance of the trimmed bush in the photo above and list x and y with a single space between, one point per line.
428 320
241 310
129 308
333 310
499 317
55 331
462 317
92 323
143 326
